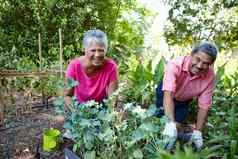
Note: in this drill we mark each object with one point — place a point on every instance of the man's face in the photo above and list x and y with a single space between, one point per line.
96 54
199 63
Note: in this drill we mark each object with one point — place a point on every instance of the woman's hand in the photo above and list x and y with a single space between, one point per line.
68 106
59 119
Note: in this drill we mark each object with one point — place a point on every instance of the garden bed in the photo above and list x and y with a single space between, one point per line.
21 137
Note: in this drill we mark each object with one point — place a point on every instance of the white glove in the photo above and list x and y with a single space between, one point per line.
170 135
170 130
68 134
197 139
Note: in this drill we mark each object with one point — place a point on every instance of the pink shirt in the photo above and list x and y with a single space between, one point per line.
95 87
177 79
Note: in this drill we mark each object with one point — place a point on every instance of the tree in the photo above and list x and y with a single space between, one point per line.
193 21
22 20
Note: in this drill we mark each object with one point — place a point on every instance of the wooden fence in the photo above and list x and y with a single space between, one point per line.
14 73
4 74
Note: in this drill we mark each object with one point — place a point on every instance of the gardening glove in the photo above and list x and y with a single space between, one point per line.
170 135
197 139
68 135
170 130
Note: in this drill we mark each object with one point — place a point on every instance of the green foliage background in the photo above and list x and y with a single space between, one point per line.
125 22
22 20
193 21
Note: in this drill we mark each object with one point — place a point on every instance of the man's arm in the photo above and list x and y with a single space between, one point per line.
204 103
169 105
201 118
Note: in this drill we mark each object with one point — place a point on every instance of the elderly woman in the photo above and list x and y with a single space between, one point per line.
96 74
185 78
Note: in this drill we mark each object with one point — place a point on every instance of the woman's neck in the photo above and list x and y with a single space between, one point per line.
89 68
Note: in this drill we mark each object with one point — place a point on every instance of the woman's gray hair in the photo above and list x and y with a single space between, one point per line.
95 35
207 48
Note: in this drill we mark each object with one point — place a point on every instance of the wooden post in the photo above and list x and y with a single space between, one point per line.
61 52
61 93
40 62
1 103
40 52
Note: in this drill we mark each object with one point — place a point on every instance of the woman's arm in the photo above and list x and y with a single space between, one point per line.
69 92
112 87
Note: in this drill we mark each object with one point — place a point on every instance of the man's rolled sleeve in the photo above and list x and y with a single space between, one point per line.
169 81
205 99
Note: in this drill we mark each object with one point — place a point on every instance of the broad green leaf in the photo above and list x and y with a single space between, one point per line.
88 140
151 111
138 154
159 71
85 123
138 135
234 147
149 66
220 72
148 127
68 125
76 146
90 155
59 101
50 3
72 83
164 120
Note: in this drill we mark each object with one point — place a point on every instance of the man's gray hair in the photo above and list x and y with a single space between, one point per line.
95 35
207 48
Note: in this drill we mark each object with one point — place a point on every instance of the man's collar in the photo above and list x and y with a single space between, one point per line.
185 67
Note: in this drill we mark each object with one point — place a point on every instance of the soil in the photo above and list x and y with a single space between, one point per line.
21 137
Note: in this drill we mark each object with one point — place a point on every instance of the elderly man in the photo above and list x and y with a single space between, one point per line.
185 78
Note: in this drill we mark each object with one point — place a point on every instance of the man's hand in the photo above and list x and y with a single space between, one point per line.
170 129
170 135
197 139
201 118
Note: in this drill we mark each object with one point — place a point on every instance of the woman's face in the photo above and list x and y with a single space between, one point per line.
95 53
200 63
